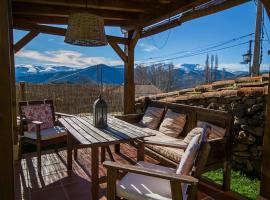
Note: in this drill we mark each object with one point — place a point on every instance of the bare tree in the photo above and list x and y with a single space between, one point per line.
216 68
207 69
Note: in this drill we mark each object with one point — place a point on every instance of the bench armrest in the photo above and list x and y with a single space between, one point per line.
130 118
150 172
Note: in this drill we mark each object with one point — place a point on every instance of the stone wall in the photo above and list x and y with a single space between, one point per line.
245 98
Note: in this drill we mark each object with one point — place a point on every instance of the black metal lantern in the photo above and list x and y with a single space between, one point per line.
100 113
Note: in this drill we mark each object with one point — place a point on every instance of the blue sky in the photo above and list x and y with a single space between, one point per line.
196 34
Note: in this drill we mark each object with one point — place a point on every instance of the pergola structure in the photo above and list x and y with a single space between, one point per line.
138 18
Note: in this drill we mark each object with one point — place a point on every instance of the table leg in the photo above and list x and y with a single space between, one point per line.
103 154
117 148
140 151
95 172
69 151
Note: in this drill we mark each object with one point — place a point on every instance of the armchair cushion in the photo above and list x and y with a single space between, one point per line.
152 117
141 187
47 134
41 112
173 123
188 158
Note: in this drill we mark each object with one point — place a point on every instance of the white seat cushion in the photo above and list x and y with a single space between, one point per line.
48 133
141 187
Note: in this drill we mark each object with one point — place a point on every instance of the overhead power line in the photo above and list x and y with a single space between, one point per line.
195 54
199 49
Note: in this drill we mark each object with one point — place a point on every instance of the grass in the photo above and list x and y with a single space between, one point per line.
240 183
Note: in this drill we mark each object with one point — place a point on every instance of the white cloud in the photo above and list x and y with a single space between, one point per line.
147 47
66 58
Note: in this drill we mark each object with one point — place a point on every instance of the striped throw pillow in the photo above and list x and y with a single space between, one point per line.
173 123
152 117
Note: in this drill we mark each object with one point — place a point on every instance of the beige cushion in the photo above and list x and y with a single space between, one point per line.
48 133
192 133
141 187
161 137
173 154
215 131
188 158
173 123
170 153
152 117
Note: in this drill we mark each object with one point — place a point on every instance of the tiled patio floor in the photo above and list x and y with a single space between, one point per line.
54 183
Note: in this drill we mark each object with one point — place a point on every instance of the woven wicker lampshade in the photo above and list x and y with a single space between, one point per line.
85 29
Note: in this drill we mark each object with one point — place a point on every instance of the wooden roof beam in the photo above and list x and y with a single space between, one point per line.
58 20
118 5
164 13
59 31
266 4
193 15
63 11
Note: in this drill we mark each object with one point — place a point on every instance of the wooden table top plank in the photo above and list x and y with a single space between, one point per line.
118 131
87 129
81 131
132 127
123 128
98 131
73 131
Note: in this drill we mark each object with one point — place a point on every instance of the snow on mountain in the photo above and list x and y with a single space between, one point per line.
23 70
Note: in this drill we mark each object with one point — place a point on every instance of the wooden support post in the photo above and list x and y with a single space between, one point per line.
128 58
6 102
265 177
25 40
22 91
129 85
140 151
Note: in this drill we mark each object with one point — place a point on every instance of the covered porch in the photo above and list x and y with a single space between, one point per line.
138 19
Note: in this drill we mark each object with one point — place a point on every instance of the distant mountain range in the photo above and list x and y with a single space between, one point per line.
187 75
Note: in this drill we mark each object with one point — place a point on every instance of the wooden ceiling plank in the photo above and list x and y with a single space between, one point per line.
25 40
59 31
63 11
59 20
118 5
193 15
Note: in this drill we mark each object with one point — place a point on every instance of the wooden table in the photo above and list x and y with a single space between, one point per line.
82 130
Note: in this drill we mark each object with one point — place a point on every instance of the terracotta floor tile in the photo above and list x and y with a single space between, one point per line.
55 183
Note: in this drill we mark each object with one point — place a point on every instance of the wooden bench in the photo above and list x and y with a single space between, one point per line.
220 154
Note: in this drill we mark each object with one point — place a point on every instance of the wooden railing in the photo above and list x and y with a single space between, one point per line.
72 98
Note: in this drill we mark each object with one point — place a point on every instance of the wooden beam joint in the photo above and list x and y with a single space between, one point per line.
119 51
25 40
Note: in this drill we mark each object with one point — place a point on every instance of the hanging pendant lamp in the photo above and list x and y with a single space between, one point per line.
85 29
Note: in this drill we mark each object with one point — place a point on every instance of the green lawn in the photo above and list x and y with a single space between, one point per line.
241 183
